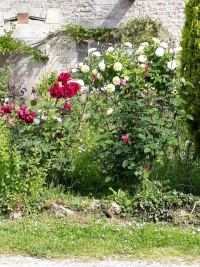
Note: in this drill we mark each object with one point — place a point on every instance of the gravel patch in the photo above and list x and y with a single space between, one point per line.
20 261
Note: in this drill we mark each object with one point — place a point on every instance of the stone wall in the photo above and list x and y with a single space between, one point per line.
49 15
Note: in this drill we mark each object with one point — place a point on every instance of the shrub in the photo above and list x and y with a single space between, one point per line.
190 67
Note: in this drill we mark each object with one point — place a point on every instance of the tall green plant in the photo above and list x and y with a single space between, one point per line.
190 66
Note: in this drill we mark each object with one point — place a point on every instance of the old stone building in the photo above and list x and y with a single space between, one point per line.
35 19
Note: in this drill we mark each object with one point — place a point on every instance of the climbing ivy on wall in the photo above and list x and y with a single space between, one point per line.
190 66
133 31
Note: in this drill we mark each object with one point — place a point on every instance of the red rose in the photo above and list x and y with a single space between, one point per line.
55 91
6 109
22 112
64 77
29 117
67 106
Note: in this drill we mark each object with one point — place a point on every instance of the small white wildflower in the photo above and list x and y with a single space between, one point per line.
58 119
102 65
44 118
39 111
116 80
160 52
193 232
171 64
128 45
117 66
110 88
74 70
142 58
36 121
109 111
85 68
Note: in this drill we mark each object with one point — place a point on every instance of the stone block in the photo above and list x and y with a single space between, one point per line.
1 20
4 4
37 13
12 14
53 16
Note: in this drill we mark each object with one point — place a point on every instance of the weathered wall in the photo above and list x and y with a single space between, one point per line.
49 15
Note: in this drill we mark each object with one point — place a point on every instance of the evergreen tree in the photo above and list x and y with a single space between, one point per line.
190 66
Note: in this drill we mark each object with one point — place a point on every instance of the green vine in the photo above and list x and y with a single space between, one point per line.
10 46
132 32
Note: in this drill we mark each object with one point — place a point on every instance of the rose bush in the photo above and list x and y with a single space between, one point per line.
134 106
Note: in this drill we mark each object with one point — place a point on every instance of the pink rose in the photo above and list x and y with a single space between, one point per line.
122 82
125 138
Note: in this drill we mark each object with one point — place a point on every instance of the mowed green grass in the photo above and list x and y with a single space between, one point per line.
50 237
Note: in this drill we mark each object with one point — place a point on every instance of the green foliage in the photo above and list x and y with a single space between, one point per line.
47 81
190 67
155 204
133 31
132 94
5 76
10 46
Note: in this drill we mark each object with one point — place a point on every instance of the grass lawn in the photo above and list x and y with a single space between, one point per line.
97 237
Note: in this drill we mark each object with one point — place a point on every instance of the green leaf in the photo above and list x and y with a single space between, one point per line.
108 179
190 117
125 163
147 150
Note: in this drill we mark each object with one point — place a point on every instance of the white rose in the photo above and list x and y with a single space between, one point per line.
110 49
91 50
164 45
80 82
116 80
109 111
85 68
155 40
110 88
99 77
102 65
117 66
142 58
94 72
171 64
96 54
144 44
80 64
160 51
128 45
140 49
